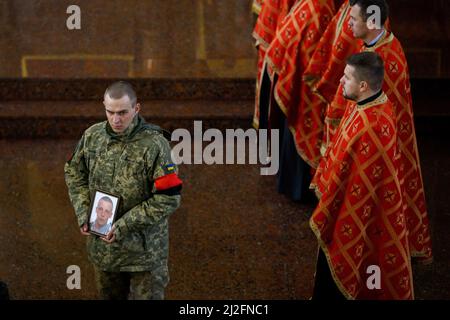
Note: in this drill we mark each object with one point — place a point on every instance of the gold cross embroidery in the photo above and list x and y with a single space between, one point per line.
393 67
385 130
404 282
288 32
365 148
413 184
390 258
347 230
308 122
389 196
302 15
377 170
355 190
367 211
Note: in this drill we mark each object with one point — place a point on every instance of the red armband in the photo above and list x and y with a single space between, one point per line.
168 181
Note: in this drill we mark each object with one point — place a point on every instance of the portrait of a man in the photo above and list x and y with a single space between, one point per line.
102 214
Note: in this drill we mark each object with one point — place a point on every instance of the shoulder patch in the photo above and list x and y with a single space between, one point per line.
169 168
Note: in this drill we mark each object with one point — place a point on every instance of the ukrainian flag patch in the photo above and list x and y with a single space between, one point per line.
169 168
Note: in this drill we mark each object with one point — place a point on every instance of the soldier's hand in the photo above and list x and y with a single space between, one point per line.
110 237
84 230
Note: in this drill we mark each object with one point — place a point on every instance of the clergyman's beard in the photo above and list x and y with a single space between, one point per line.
349 97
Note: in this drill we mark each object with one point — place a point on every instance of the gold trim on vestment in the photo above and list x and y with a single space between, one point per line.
327 255
380 100
340 23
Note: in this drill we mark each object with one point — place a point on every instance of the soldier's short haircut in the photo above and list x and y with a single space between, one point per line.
365 4
121 88
369 67
106 199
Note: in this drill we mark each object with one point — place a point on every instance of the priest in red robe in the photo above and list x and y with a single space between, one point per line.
360 222
328 62
271 15
292 109
396 85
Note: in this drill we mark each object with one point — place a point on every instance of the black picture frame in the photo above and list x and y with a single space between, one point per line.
102 212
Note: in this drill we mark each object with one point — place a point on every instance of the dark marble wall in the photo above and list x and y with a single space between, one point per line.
423 27
176 38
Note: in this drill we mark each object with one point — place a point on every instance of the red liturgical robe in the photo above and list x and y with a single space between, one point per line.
288 56
328 62
397 87
360 220
269 20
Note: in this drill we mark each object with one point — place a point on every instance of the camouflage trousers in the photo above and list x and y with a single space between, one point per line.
146 285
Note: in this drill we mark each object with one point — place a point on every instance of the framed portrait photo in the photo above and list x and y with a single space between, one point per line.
103 213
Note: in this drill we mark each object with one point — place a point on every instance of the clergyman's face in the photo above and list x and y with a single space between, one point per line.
104 212
350 84
357 24
120 112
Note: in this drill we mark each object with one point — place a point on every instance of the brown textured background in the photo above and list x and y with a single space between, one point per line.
176 38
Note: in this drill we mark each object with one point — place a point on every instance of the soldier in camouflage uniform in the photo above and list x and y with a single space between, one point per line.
127 157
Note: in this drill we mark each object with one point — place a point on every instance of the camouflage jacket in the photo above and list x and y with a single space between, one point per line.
127 165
